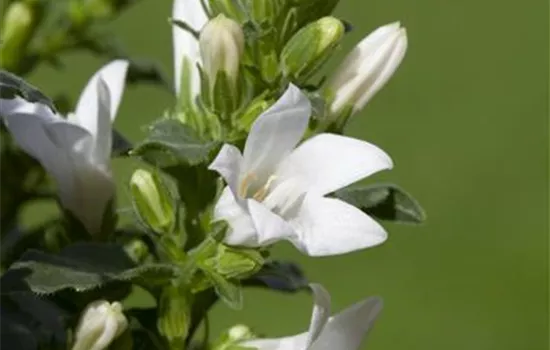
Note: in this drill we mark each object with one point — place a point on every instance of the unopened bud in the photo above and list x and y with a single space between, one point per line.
221 44
100 323
311 46
174 315
152 201
366 69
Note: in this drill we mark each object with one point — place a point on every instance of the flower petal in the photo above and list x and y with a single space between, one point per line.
328 226
270 227
276 132
70 137
114 76
185 44
104 137
296 342
328 162
347 329
320 314
228 165
241 228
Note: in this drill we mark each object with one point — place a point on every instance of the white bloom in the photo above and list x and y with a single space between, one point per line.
367 68
221 44
100 323
344 331
75 151
277 190
186 46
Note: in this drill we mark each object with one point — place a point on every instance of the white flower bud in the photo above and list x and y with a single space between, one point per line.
367 68
221 44
100 323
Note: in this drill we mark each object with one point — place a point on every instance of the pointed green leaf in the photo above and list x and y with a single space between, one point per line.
384 202
171 142
228 291
81 267
11 86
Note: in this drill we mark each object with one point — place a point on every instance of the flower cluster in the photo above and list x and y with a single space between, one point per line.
251 153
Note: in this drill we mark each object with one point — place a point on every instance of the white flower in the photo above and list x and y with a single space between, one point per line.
100 323
367 68
344 331
221 44
277 190
186 47
75 151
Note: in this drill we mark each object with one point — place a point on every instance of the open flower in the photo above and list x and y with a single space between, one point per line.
276 189
343 331
367 68
76 151
186 48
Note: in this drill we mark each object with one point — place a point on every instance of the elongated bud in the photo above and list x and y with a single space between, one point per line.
231 338
366 69
152 201
221 44
100 323
174 316
308 49
20 21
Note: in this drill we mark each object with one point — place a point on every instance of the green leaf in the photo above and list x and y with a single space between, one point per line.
11 86
171 142
81 267
384 202
279 275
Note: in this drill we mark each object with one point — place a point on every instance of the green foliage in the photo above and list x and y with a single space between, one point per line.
11 86
384 202
171 143
81 267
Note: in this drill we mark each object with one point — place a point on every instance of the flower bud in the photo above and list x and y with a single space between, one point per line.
239 333
100 323
221 44
152 201
366 69
20 21
311 47
174 315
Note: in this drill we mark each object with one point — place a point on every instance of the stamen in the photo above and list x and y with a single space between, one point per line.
262 192
245 184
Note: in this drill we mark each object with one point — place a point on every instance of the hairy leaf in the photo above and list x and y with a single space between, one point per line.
170 142
385 202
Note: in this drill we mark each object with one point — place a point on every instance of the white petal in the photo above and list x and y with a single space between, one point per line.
347 329
296 342
241 228
391 64
228 164
185 44
20 105
104 136
328 226
270 227
114 75
320 314
70 137
276 132
328 162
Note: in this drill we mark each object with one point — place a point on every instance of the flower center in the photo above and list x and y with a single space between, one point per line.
247 188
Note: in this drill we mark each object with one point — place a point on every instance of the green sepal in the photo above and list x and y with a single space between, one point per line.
230 292
385 202
234 262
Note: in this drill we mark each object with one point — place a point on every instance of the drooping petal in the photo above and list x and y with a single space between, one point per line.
87 108
328 162
270 227
328 226
186 46
347 329
228 164
320 314
242 231
276 132
296 342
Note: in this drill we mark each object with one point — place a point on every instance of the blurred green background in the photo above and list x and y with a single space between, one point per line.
466 121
